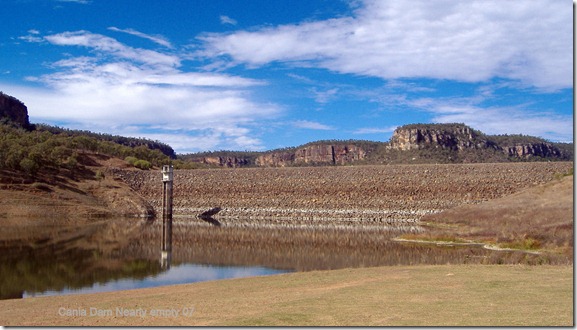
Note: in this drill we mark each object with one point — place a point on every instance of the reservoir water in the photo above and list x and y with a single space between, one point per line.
40 257
179 274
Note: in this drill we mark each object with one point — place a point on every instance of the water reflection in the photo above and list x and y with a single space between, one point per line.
178 274
124 253
37 258
166 243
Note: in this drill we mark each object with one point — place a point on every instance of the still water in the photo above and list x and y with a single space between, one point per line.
184 273
109 255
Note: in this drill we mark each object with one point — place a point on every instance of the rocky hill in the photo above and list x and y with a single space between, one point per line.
315 154
459 137
13 110
445 136
415 143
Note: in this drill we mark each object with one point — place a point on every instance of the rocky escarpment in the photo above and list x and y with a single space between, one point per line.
13 110
415 144
330 154
461 138
528 150
444 136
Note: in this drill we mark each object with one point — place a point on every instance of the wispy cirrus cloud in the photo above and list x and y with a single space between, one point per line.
375 130
306 124
325 96
154 38
227 20
112 47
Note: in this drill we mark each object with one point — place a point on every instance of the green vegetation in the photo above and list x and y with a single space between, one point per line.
511 140
121 140
452 127
45 149
138 163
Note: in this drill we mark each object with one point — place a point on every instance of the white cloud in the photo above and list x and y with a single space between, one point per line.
227 20
154 38
375 130
111 47
470 41
312 125
31 38
140 92
324 97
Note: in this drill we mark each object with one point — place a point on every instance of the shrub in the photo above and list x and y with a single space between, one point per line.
99 175
29 166
142 164
131 160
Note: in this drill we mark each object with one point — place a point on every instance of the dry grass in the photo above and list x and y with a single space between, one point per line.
382 296
536 218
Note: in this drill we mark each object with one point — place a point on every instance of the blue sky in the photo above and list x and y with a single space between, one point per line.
263 74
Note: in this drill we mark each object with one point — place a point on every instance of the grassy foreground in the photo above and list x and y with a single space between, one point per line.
447 295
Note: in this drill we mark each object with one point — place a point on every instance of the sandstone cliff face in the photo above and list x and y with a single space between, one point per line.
315 154
14 110
275 159
529 150
415 143
456 137
459 137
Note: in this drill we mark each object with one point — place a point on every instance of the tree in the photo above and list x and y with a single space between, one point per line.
143 164
30 166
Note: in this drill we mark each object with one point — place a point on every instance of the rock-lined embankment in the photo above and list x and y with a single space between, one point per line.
367 195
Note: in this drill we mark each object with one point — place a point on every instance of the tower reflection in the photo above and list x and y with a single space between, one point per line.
166 245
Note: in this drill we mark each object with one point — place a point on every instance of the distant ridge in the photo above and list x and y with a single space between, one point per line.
409 144
414 143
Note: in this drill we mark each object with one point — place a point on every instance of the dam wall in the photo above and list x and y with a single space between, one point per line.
338 195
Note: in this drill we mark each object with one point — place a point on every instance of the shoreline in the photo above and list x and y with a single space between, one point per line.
450 243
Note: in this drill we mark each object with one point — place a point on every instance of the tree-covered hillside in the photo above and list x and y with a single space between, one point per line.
50 149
